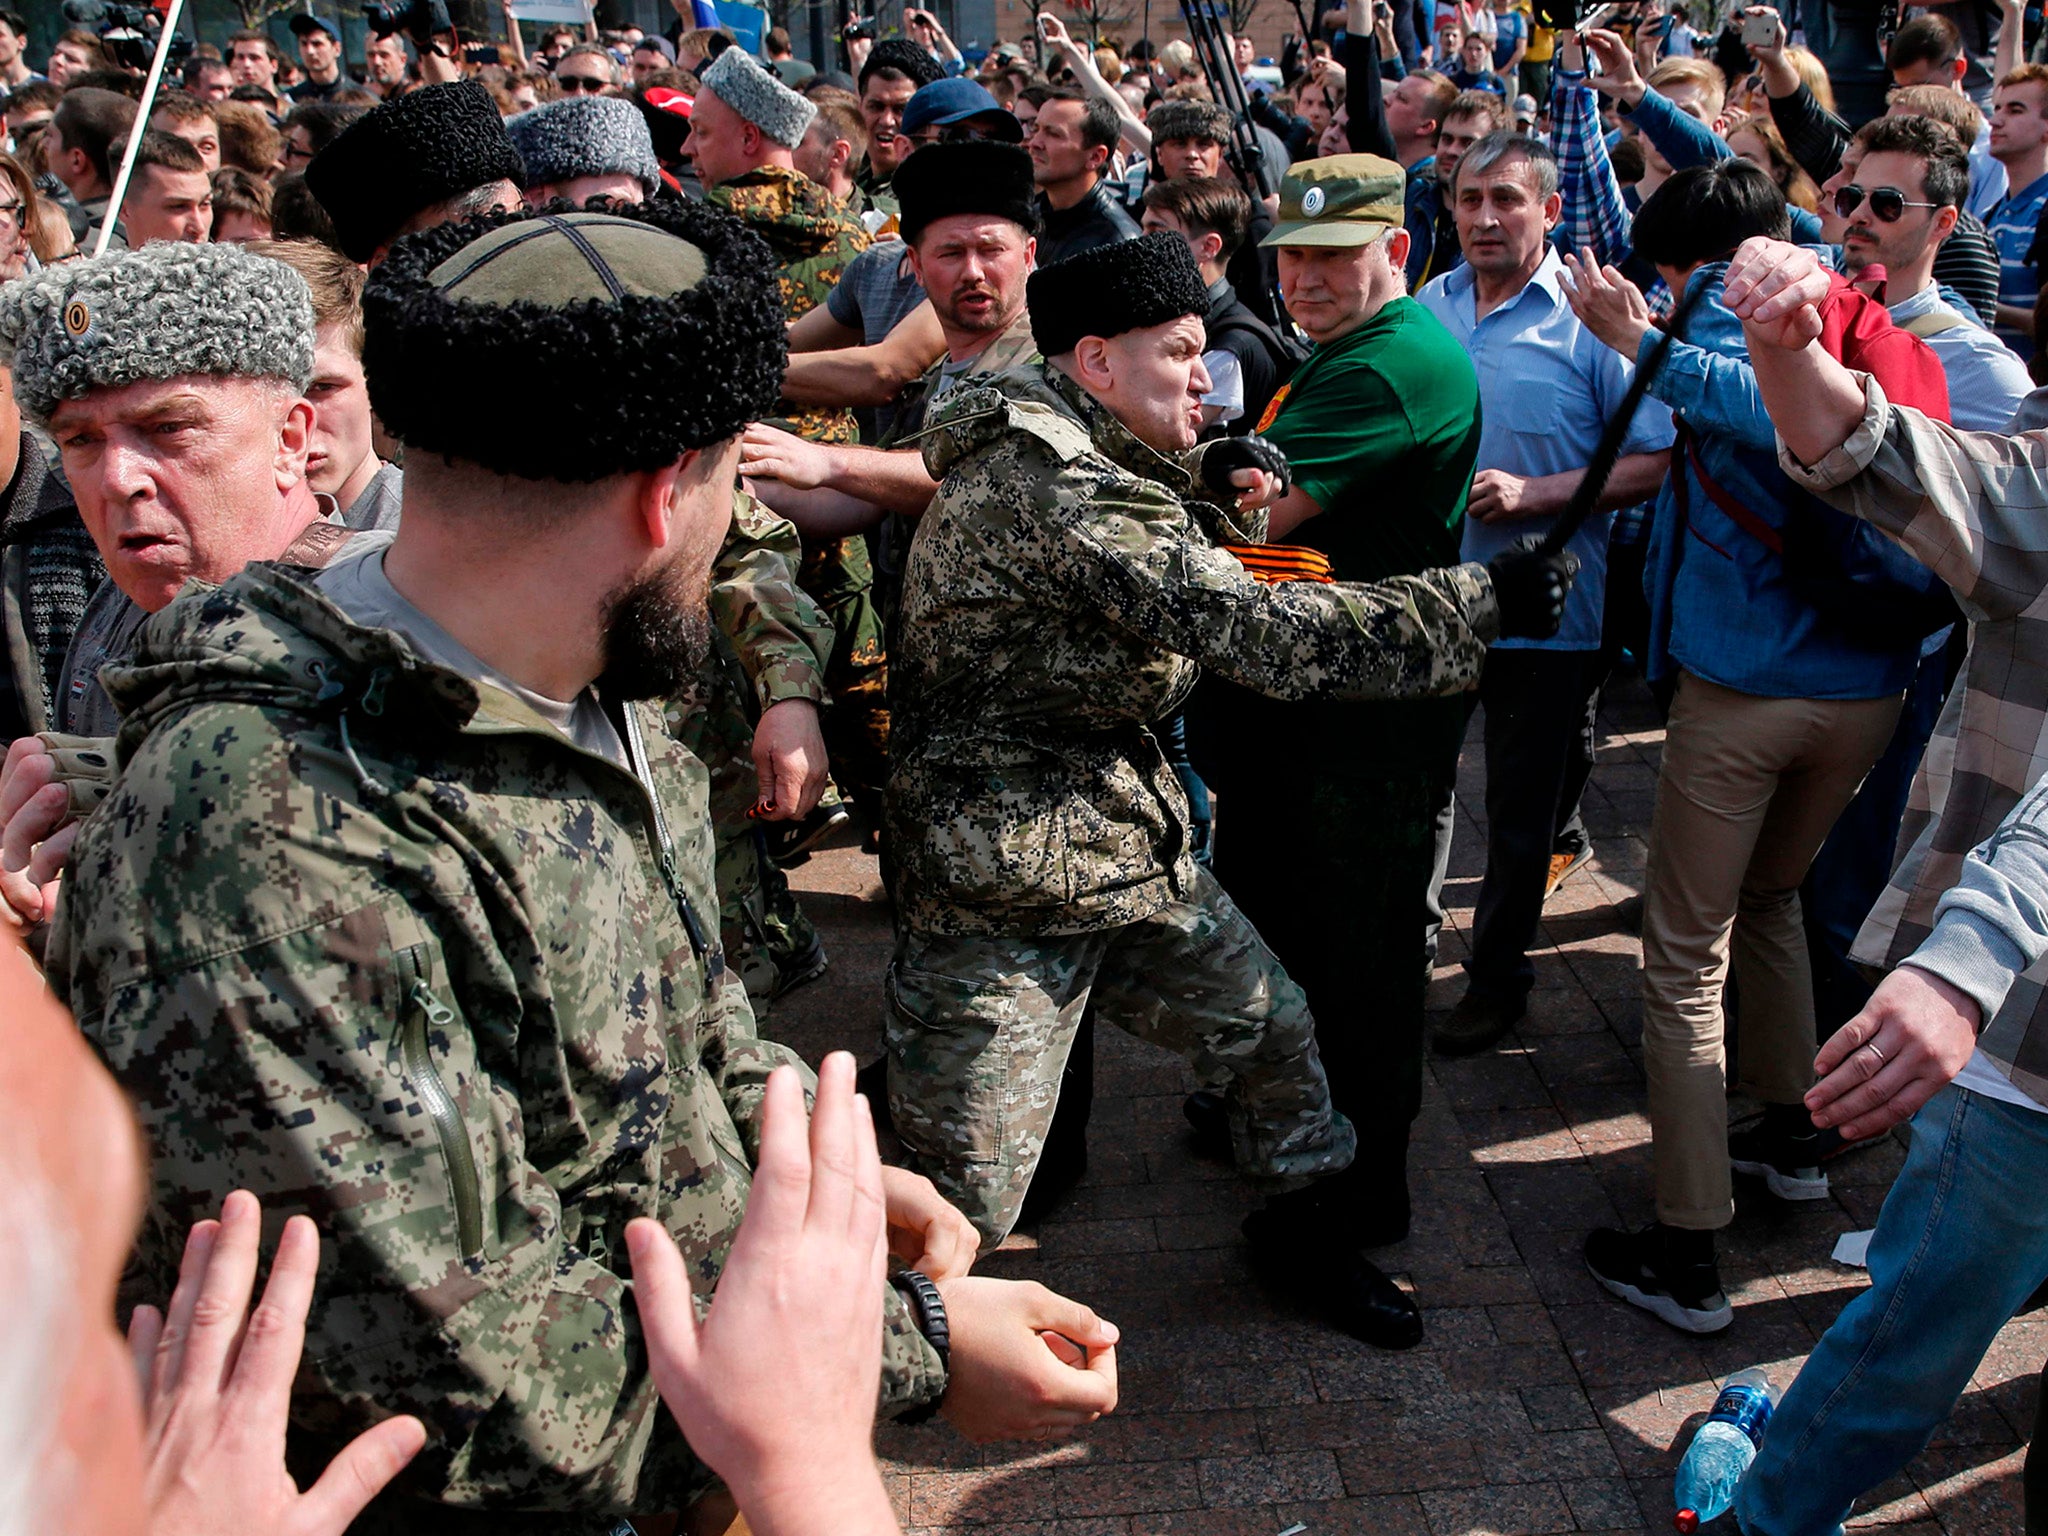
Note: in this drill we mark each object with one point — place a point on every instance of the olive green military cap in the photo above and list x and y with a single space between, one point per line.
1340 200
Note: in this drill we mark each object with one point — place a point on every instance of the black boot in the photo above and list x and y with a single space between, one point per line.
1298 1248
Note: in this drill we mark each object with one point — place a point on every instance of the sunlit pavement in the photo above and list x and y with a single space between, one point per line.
1536 1403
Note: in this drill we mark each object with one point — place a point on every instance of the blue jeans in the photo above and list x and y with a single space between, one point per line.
1961 1243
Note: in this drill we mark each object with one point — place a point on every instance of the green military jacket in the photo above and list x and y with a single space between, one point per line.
1059 595
384 947
813 236
781 638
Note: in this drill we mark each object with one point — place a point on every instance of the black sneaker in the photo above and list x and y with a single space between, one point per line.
1479 1021
1661 1270
790 842
801 971
1784 1150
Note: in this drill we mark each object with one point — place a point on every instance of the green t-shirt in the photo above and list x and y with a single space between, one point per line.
1382 431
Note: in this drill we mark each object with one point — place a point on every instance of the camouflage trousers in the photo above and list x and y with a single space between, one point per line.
978 1030
840 578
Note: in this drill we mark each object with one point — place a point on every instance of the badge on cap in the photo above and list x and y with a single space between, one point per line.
1311 202
77 317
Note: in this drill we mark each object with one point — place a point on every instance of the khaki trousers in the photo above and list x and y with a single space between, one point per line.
1747 792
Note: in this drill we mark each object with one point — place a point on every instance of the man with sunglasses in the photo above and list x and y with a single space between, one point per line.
1907 194
586 71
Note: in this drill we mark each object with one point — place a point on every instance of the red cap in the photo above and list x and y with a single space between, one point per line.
675 103
1687 1522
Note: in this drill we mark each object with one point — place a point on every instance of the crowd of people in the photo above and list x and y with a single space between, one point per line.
471 526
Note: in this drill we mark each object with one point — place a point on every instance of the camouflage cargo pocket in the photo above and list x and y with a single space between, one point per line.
950 1046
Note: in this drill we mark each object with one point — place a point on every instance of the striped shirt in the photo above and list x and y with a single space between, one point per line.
1972 507
2012 225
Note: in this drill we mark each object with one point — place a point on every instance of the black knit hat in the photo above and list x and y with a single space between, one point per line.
1112 289
427 146
972 176
572 345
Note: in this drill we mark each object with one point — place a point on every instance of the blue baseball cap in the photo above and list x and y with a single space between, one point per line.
954 100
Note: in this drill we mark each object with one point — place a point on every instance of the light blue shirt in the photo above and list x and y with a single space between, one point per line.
1986 379
1547 388
1987 177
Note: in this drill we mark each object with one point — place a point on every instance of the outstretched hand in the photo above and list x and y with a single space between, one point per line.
775 1386
1606 303
217 1385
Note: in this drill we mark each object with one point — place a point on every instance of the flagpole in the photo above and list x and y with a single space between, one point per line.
142 109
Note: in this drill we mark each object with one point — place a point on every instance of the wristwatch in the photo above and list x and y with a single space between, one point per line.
928 1308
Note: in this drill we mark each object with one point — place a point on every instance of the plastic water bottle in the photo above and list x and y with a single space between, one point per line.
1723 1448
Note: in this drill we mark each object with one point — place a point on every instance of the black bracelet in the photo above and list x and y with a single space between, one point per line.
928 1310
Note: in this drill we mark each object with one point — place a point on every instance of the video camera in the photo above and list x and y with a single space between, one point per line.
127 32
419 20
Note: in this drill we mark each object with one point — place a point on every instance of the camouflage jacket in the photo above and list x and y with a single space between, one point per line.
383 947
781 637
813 236
1059 594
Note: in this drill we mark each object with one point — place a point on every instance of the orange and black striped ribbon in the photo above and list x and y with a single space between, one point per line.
1274 563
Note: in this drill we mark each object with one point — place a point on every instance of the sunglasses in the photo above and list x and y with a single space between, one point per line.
576 83
1889 204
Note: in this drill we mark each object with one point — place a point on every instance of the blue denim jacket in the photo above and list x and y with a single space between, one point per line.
1720 606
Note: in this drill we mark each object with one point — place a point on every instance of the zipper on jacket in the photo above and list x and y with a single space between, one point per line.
416 1061
665 849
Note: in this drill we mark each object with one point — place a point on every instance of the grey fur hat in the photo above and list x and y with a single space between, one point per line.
166 310
585 136
1188 120
735 79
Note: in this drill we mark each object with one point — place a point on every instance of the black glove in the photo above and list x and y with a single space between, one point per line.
1226 456
1530 588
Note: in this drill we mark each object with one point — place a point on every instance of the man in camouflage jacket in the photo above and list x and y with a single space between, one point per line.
1061 592
744 148
767 659
395 938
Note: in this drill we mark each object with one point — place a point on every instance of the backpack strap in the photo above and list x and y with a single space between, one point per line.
1720 496
1933 323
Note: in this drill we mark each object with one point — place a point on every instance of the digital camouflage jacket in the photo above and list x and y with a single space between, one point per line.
813 236
1059 595
383 947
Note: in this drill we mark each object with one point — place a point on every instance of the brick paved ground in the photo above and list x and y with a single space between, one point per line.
1536 1404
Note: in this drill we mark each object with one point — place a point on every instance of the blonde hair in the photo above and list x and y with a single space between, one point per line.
1814 73
1950 108
1790 176
1712 83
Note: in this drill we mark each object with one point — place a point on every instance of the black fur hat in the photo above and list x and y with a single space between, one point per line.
973 176
566 344
1112 289
427 146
